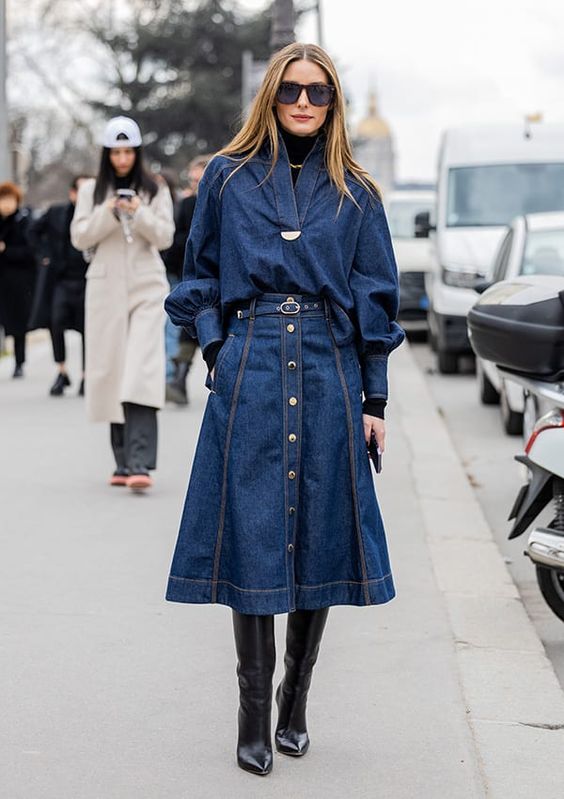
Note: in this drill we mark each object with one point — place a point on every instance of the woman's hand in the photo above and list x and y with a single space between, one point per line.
373 423
129 206
134 204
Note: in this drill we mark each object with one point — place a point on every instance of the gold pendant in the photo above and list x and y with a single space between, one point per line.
291 235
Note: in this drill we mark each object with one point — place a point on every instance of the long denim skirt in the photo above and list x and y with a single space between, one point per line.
281 512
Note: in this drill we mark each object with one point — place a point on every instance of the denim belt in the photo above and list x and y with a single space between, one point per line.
284 304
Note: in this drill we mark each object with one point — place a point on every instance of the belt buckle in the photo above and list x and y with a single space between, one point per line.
290 307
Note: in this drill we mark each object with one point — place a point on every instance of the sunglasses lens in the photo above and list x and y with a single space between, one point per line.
288 93
319 94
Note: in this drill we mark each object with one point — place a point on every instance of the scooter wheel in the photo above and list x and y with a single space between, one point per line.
551 584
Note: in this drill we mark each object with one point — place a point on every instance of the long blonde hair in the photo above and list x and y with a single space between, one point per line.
261 122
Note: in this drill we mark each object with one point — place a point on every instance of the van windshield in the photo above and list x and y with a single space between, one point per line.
494 195
544 253
401 216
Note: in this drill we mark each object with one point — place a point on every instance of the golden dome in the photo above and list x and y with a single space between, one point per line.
373 126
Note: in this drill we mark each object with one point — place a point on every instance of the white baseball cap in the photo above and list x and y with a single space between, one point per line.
122 132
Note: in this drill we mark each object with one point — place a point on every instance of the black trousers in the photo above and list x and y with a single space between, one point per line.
67 313
135 443
59 349
19 349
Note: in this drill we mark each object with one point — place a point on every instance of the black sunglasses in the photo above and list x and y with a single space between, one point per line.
317 93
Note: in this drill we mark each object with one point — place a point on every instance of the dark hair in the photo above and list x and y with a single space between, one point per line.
9 189
139 178
74 182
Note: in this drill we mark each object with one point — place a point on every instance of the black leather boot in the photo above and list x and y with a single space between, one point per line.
176 389
58 388
303 637
256 653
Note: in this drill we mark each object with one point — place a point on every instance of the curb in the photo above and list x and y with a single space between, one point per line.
514 702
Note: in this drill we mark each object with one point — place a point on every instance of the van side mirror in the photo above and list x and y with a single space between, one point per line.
422 225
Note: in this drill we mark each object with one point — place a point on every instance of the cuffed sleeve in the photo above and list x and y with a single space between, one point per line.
155 222
375 376
375 288
195 303
90 224
374 407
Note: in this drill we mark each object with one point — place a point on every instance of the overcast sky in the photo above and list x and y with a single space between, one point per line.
438 63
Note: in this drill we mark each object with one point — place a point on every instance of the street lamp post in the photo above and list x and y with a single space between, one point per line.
282 31
319 24
5 170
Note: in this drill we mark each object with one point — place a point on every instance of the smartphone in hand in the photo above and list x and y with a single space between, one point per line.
125 194
375 454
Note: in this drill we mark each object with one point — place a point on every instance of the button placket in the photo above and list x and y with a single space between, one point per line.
292 337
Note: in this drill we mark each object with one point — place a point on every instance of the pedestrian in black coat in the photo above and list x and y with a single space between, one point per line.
181 348
17 270
51 236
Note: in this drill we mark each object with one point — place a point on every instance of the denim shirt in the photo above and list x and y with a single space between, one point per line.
236 251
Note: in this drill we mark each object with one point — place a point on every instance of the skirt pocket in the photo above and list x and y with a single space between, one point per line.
343 329
219 363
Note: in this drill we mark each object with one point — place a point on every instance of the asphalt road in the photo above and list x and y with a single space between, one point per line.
487 455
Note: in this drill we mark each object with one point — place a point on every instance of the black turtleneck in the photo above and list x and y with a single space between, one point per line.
298 147
122 182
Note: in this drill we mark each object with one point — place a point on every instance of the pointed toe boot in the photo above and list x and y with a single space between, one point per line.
62 381
256 654
303 638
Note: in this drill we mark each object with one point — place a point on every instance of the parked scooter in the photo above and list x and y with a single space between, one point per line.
544 458
519 325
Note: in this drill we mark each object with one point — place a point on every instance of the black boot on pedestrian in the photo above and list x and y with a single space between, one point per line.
303 637
176 388
256 654
18 370
81 388
62 381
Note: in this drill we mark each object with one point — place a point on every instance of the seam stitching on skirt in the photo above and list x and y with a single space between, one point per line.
278 590
233 411
351 463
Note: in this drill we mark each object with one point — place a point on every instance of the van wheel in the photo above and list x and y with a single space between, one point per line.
489 395
447 362
512 420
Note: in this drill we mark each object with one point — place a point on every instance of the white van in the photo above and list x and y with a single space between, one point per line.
486 177
404 208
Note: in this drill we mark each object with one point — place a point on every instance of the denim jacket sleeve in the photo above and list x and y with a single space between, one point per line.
374 285
195 302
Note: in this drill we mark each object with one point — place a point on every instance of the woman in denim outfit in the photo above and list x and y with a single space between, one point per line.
290 286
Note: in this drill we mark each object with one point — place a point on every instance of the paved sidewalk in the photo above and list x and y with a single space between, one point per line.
108 692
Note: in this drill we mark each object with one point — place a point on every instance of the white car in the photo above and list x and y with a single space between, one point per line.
532 245
409 211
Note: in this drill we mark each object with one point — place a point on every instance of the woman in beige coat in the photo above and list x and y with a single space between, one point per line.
123 218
